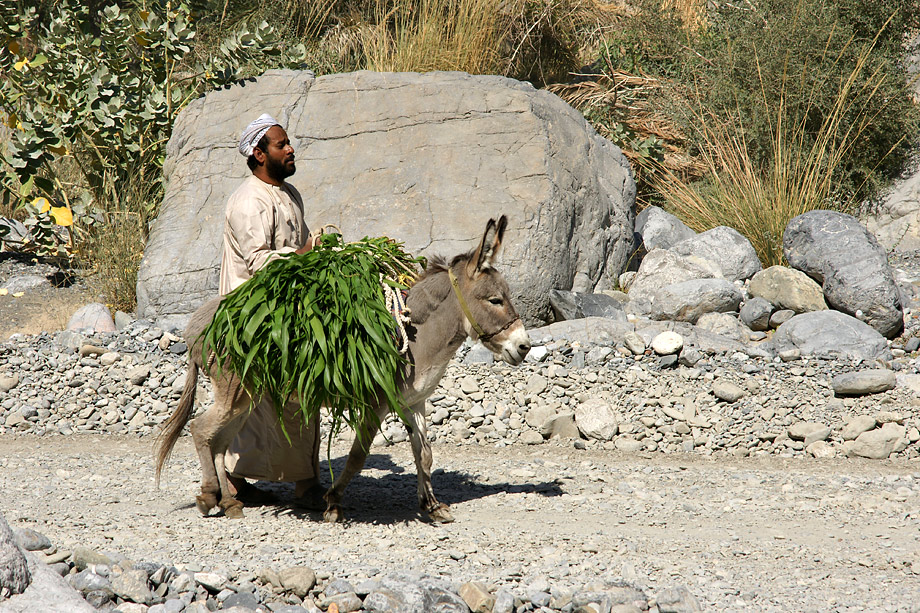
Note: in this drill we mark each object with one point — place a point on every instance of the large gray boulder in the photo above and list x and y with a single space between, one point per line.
576 305
895 221
660 229
662 267
731 251
14 570
423 158
688 300
839 253
830 333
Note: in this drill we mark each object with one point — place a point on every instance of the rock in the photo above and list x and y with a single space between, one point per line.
213 582
878 444
667 343
787 288
821 449
244 600
561 425
26 283
109 358
635 343
504 602
95 316
677 600
801 431
48 592
830 333
625 443
122 320
837 251
132 585
596 419
896 223
755 313
30 540
864 382
530 437
477 597
84 556
727 391
688 300
8 383
661 268
857 426
576 305
479 354
469 385
659 229
15 575
538 415
727 248
368 142
723 324
780 317
536 385
298 579
138 375
889 417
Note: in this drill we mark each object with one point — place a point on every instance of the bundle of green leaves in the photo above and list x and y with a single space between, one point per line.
315 327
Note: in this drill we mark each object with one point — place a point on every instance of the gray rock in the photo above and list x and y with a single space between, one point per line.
95 316
667 343
479 354
727 391
8 383
856 426
30 540
123 320
243 600
837 251
477 597
830 333
588 331
723 324
755 313
821 449
561 425
802 430
661 268
877 444
629 444
87 581
896 222
132 585
635 343
298 579
26 283
660 229
530 437
727 248
84 556
367 142
780 317
688 300
864 382
504 602
576 305
15 575
596 419
677 600
48 592
138 375
787 288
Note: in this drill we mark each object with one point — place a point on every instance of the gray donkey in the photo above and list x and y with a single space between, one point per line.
466 297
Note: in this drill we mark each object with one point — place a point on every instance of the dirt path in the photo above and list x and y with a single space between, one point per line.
740 534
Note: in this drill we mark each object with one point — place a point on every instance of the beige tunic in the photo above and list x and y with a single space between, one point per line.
262 222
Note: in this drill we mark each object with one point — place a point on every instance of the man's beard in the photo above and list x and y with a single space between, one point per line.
279 170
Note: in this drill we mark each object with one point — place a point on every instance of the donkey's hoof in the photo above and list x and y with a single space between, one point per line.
333 514
205 502
441 514
232 507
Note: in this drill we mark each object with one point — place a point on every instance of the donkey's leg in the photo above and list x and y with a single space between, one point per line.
438 512
212 433
356 458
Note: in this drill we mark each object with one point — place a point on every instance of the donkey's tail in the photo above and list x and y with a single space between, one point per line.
172 427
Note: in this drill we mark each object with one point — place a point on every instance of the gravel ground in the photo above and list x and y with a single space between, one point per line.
716 497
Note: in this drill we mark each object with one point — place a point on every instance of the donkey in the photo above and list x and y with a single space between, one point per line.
466 297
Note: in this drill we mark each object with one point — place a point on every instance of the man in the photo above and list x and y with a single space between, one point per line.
264 219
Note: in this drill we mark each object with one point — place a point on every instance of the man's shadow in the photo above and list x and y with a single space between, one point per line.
392 497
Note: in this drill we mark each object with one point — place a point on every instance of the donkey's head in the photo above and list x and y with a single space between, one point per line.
486 300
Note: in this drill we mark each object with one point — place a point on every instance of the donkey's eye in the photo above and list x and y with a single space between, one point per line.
497 301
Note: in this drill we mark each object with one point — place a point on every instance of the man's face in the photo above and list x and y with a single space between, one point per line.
279 154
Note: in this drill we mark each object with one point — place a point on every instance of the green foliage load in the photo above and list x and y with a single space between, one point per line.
315 327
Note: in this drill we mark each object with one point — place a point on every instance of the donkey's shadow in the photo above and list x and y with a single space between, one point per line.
391 498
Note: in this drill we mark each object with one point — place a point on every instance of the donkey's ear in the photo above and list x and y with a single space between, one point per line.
491 243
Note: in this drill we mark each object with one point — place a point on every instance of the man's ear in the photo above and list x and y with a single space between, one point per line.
259 155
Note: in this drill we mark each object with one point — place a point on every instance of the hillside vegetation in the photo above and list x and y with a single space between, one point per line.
742 113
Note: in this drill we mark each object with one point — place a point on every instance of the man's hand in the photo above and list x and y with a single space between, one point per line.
312 242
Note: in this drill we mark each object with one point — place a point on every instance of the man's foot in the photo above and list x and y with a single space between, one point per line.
312 499
250 494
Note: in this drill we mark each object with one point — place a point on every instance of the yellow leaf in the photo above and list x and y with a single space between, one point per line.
19 294
58 150
21 64
41 204
4 291
62 216
12 120
145 15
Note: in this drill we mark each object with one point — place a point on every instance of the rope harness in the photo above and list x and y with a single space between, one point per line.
396 305
483 336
